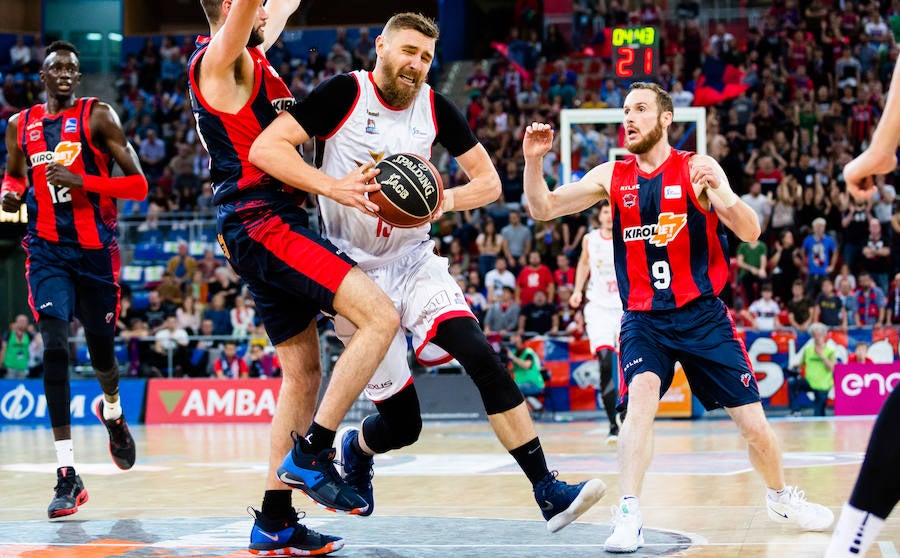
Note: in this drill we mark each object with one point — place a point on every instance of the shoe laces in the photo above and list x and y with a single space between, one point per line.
64 486
362 472
797 497
550 486
619 516
119 432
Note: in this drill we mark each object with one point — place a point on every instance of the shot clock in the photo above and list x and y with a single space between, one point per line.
635 52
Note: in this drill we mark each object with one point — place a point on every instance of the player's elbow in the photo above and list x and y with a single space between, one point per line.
751 231
261 153
493 188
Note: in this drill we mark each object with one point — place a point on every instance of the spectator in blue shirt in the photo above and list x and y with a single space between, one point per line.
819 250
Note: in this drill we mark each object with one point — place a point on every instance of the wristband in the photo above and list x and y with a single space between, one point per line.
725 195
15 184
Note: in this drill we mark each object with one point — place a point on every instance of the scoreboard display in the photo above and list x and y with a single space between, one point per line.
635 52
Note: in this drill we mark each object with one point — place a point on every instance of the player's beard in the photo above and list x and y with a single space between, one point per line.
257 37
397 94
647 142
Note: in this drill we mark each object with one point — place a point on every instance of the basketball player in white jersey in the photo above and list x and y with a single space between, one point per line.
603 309
360 117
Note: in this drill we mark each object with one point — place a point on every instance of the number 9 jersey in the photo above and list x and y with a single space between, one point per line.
71 217
669 250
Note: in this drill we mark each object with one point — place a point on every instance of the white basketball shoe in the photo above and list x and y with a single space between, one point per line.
792 507
627 535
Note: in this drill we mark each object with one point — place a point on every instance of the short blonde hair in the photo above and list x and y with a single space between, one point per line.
663 99
415 21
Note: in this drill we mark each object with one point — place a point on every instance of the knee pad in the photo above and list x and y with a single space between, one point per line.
397 424
465 342
605 358
103 354
54 332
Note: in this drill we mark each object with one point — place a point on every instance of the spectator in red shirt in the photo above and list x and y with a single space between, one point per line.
534 277
565 273
229 365
860 353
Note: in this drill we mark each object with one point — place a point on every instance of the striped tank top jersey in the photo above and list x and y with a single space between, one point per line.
72 217
669 251
228 137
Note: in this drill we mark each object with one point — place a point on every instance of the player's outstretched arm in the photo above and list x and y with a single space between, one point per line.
228 44
706 173
14 182
275 153
574 197
279 12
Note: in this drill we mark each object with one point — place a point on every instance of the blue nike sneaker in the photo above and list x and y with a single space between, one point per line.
563 503
357 469
316 476
287 537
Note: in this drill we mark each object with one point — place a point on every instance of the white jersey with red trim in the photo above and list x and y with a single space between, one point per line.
602 288
372 130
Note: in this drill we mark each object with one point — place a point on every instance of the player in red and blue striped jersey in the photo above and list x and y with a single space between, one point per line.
291 271
669 208
64 150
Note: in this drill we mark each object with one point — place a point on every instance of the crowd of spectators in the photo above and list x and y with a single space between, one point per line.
815 76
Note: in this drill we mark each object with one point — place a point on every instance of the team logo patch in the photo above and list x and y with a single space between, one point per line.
629 200
370 127
672 192
71 125
109 317
34 135
66 152
662 233
745 379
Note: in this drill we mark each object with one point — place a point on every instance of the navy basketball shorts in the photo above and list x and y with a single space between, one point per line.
66 281
702 337
291 272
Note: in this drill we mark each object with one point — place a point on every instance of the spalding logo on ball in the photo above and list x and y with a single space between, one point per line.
411 190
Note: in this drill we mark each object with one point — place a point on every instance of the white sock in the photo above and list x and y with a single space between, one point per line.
65 453
855 532
775 495
631 504
112 411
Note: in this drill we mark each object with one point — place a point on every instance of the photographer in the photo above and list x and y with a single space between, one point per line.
526 370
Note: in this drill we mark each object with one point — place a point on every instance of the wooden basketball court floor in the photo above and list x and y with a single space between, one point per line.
454 493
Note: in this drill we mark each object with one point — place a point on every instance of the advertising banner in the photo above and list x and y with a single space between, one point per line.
24 402
213 400
861 389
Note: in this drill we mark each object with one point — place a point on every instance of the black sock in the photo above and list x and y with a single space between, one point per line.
354 445
276 504
319 438
530 457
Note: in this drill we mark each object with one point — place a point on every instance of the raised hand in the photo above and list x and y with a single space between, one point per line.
538 140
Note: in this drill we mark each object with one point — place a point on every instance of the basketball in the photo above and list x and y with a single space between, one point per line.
411 190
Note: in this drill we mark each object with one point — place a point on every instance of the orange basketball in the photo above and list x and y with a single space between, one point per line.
411 190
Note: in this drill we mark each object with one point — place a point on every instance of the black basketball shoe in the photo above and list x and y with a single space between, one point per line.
68 494
121 444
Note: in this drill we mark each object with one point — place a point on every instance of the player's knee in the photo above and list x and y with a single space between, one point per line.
499 392
756 431
406 433
54 333
56 366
